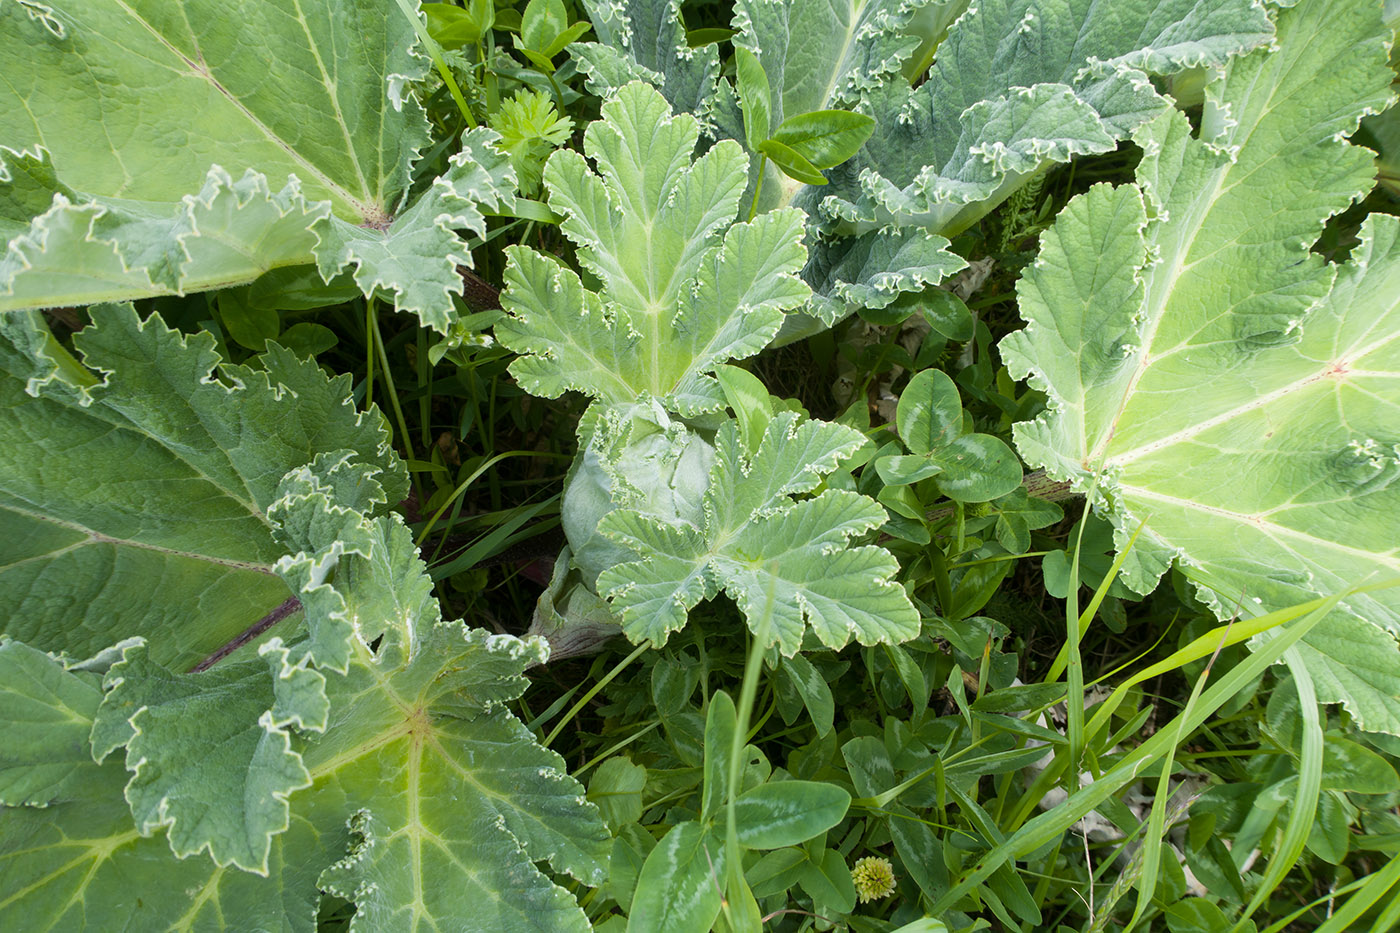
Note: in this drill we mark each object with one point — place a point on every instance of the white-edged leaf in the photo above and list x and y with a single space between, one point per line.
145 152
1220 382
416 258
683 288
138 506
786 563
644 39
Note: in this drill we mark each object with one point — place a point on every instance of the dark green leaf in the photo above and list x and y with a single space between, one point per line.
786 813
793 163
542 22
929 415
678 890
946 313
697 38
825 138
755 97
977 468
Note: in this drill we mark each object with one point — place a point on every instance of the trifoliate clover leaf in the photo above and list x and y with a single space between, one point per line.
786 563
683 288
970 467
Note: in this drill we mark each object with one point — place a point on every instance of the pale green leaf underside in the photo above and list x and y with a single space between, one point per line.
205 760
178 166
79 250
1019 84
1016 85
682 290
45 715
415 260
786 563
137 98
459 798
143 512
1222 383
645 39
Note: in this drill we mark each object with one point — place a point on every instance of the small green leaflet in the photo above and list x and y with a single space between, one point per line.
784 559
1211 376
970 467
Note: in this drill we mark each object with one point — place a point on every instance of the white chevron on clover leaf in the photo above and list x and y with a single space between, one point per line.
776 557
1210 376
144 152
683 288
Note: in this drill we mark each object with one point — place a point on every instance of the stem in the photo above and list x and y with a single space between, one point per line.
558 92
479 294
747 692
583 700
435 53
291 605
378 340
370 328
758 187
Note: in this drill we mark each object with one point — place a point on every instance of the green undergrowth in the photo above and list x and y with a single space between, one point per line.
645 466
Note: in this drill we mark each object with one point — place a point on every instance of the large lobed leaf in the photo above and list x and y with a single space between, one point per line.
139 505
1211 377
399 781
1015 86
166 146
683 288
645 40
785 563
427 802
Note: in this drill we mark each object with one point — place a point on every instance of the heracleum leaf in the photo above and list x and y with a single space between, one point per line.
1016 85
45 714
78 861
151 153
683 288
645 39
458 798
74 866
1217 380
423 800
416 257
1021 83
322 517
75 249
139 506
871 272
208 760
777 558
